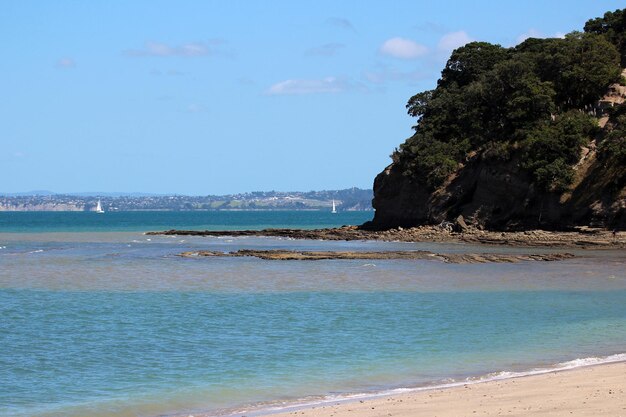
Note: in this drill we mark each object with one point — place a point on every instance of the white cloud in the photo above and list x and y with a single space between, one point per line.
403 48
325 85
66 62
191 49
451 41
328 49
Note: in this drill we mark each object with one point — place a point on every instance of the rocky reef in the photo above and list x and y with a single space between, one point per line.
458 258
581 238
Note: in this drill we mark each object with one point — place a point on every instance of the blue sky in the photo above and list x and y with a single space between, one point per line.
208 97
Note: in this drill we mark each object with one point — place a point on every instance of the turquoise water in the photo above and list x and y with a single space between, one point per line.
115 324
157 220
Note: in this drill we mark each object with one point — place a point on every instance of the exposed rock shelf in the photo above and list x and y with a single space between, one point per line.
457 258
583 238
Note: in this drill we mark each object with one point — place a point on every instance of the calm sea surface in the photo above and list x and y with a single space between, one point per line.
98 319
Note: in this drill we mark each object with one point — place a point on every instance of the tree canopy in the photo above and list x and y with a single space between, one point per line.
533 100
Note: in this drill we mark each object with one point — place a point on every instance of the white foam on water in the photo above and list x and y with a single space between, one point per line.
287 406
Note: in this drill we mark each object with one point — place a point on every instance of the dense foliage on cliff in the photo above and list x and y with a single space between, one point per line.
534 102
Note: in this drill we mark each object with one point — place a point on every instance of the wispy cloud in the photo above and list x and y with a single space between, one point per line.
451 41
191 49
403 48
170 72
66 62
313 86
246 81
328 49
341 23
195 108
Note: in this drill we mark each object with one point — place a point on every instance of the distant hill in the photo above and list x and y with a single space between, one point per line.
532 136
351 199
28 193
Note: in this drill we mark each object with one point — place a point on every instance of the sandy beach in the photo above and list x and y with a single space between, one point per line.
585 392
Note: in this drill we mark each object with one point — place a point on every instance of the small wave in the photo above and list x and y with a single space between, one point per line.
561 366
36 251
314 401
577 363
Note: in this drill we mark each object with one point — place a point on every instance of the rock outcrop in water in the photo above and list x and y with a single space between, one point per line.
512 139
581 238
457 258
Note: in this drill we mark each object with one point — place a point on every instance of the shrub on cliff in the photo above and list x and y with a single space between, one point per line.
613 146
550 150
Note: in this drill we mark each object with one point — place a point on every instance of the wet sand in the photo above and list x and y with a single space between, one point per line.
584 392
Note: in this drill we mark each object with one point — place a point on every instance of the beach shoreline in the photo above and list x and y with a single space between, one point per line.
583 238
585 390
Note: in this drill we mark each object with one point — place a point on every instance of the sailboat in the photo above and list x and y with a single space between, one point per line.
99 207
334 211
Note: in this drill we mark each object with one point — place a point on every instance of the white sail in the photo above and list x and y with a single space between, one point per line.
99 207
334 208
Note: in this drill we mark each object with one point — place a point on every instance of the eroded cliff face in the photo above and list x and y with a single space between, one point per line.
500 195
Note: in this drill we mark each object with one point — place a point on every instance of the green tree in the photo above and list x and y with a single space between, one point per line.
593 65
469 62
613 27
552 148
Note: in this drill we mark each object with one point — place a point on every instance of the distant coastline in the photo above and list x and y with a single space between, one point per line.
350 199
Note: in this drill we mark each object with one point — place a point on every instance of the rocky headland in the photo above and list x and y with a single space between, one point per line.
521 138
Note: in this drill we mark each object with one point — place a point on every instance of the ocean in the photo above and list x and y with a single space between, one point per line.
98 319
